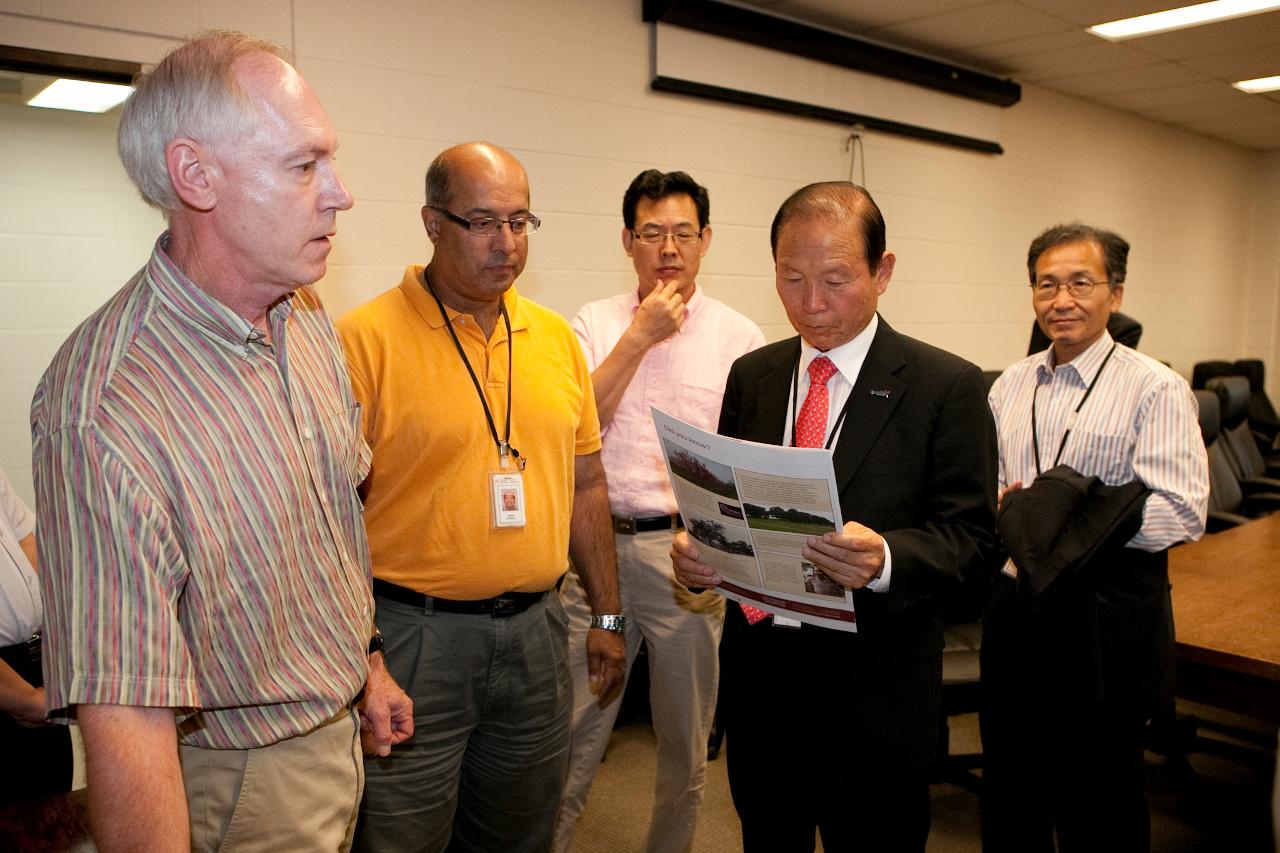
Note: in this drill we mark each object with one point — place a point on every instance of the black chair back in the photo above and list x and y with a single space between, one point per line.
1203 371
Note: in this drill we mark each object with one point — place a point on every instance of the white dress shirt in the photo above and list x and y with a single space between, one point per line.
1140 423
20 609
848 359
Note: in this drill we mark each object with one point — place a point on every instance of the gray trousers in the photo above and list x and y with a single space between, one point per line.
487 761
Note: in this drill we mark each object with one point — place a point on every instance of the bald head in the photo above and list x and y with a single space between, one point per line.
465 159
839 204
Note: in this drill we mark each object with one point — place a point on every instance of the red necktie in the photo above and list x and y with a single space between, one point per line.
811 431
811 424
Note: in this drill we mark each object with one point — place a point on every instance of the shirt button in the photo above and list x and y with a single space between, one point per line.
307 433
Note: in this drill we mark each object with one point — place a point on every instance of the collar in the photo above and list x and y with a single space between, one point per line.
414 288
848 357
1085 365
196 308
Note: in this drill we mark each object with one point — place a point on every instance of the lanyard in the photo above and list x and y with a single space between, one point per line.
504 443
795 412
1035 441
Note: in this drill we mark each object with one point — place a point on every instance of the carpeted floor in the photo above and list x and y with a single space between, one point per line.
1218 803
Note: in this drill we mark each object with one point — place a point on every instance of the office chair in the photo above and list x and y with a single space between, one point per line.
1228 505
1255 472
1262 415
1203 371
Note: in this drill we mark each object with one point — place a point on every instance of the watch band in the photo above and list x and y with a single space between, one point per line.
376 643
615 623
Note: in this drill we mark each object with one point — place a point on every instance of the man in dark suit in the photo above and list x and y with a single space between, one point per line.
826 729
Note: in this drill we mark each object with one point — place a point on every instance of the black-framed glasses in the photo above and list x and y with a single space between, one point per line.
1079 287
487 226
653 236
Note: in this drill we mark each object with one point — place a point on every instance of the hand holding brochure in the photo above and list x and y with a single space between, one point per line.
751 507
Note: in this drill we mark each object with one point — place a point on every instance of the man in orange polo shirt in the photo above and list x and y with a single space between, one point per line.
473 394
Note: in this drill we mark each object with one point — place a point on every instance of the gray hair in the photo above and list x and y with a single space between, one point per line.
192 92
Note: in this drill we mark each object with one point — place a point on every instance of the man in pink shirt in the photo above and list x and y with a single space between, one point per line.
664 344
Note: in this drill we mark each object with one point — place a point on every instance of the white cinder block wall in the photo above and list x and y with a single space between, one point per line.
563 84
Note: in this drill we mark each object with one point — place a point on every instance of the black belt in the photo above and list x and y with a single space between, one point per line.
631 526
25 659
507 604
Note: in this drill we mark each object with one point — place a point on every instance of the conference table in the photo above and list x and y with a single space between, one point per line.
1226 610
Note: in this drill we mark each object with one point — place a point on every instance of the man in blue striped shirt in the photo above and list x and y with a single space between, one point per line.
1068 683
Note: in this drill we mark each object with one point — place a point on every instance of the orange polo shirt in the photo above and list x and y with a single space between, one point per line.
427 495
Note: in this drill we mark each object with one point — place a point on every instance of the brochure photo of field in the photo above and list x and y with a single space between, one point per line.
701 471
788 520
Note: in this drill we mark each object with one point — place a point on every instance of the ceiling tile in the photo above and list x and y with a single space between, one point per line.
1077 58
1235 65
988 23
1086 13
1164 97
860 15
1124 80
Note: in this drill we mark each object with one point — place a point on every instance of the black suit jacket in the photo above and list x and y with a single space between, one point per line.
916 462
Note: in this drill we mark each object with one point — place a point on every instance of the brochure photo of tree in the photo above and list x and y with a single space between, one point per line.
720 536
701 471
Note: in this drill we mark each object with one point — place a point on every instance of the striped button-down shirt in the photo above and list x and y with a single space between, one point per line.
200 535
1140 423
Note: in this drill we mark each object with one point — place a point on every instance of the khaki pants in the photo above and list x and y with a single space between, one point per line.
298 794
682 632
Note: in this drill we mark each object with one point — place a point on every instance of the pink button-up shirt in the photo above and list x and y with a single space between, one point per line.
684 376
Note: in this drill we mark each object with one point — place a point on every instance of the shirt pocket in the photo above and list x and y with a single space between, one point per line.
700 404
1105 455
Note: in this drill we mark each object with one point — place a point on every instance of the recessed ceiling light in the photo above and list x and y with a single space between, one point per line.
1259 84
80 95
1177 19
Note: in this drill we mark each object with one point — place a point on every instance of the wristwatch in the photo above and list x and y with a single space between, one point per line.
616 624
376 643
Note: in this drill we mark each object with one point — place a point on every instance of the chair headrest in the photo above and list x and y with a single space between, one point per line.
1210 422
1203 371
1253 369
1233 398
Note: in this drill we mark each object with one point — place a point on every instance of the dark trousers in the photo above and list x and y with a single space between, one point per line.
37 760
824 736
1073 774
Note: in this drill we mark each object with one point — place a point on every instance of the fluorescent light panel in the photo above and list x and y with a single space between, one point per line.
1259 84
1178 19
80 95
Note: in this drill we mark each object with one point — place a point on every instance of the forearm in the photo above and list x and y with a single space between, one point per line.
591 537
19 699
136 797
611 379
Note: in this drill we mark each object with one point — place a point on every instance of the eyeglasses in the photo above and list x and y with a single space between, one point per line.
487 226
1079 287
654 237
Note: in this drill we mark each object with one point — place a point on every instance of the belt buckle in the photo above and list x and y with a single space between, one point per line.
625 526
33 648
504 607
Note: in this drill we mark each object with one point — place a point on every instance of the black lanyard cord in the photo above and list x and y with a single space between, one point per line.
1035 441
504 443
795 412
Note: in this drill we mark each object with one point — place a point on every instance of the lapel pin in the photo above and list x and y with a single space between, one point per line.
880 393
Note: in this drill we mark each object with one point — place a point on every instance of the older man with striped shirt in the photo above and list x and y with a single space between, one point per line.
1072 670
197 445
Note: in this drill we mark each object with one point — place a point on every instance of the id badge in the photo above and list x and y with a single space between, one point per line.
506 498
